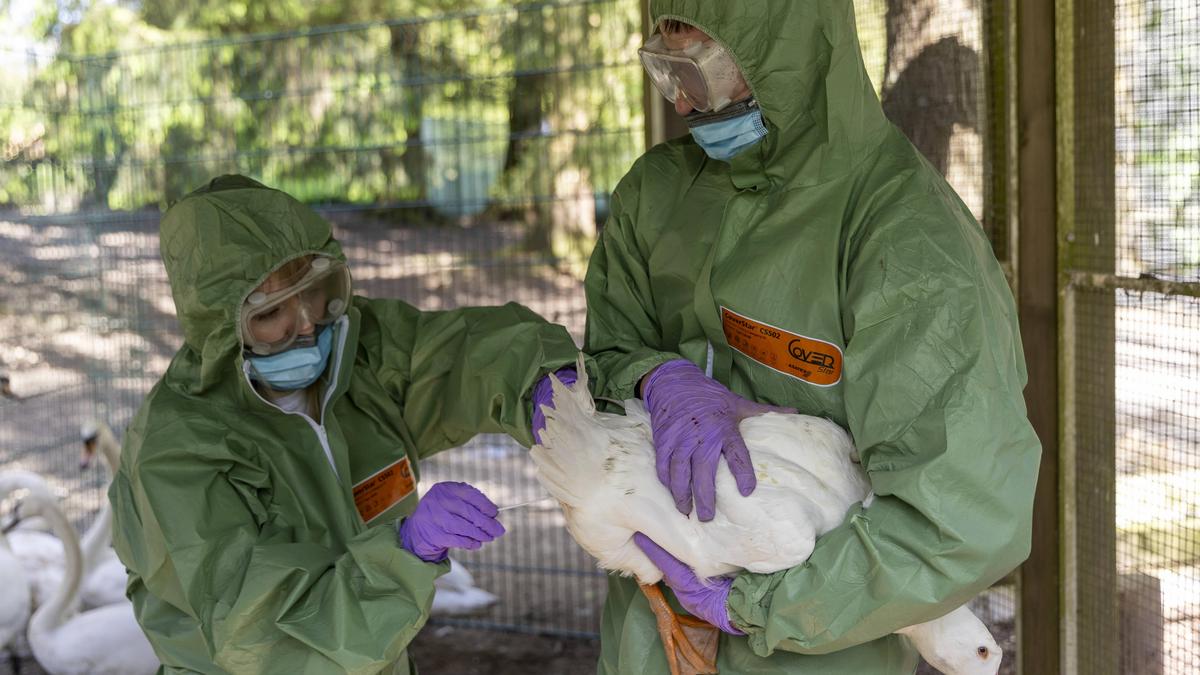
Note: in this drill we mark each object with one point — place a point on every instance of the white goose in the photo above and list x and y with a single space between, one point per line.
105 578
456 593
42 553
15 595
104 641
14 602
600 467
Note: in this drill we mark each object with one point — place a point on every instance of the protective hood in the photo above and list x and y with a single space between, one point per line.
218 243
802 60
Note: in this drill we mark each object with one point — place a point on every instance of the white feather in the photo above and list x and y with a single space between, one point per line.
455 593
105 575
600 468
16 589
15 598
104 641
41 553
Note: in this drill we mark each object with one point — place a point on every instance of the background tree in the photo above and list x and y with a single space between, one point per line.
932 86
514 104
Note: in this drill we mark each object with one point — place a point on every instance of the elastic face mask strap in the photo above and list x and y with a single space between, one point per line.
699 119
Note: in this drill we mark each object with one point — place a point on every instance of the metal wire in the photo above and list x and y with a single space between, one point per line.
1132 281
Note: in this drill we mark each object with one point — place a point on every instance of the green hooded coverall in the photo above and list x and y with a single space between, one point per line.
237 521
855 285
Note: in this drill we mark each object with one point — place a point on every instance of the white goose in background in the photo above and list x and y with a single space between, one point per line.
104 582
42 553
600 467
456 593
16 599
103 641
14 602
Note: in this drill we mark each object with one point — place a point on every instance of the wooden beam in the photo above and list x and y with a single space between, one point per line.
1039 645
1090 246
1143 284
1085 60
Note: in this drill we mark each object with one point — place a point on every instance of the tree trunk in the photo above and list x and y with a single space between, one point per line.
568 216
547 110
406 50
525 173
526 114
931 87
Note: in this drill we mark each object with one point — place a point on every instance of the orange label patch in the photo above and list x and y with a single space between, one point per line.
815 361
384 489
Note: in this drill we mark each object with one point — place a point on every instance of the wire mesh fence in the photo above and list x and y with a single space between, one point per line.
1132 332
1157 406
1158 492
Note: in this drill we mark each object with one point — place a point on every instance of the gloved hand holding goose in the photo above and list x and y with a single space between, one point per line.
601 469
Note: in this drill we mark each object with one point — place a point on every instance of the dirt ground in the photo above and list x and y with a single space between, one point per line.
445 650
448 650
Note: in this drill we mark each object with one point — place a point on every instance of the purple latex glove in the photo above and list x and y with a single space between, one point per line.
695 421
704 598
450 515
543 394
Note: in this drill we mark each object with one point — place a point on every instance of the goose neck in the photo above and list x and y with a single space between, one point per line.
51 615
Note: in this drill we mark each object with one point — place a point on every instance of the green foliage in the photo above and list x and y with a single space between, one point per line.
139 108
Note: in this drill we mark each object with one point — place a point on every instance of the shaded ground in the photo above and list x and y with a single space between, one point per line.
445 650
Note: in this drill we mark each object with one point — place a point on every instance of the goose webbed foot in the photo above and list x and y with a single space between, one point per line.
690 644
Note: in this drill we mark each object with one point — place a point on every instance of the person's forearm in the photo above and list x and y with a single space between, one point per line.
380 595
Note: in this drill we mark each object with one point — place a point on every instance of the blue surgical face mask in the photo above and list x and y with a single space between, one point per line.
295 368
724 134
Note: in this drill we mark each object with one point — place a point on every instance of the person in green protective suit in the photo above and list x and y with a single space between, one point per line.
800 252
262 480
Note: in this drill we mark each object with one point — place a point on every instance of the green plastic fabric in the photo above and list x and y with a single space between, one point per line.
245 549
836 229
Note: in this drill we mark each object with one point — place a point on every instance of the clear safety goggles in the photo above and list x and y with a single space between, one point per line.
703 73
316 295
